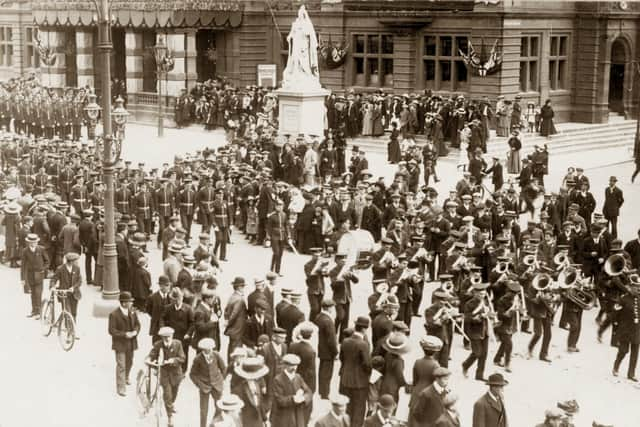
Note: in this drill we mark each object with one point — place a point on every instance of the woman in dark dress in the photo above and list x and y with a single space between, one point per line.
546 124
393 147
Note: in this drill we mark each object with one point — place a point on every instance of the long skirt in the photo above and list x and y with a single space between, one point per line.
513 162
502 128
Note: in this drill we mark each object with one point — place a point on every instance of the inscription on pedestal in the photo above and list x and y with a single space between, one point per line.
290 117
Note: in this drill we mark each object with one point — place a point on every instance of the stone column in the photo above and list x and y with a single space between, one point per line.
134 52
175 80
54 76
190 60
17 39
84 58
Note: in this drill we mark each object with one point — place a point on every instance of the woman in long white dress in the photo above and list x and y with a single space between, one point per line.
367 120
465 136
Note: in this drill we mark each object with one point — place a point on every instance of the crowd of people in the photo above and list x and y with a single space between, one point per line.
300 195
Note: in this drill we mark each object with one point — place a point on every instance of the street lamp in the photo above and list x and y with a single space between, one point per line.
120 116
93 110
110 289
160 53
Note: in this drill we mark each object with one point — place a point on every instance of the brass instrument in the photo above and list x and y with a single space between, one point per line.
561 260
475 279
616 265
446 312
583 297
447 287
462 263
502 267
567 277
542 282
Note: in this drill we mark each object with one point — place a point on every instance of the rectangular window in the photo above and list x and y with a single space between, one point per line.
32 58
6 46
373 60
558 60
529 61
442 62
149 67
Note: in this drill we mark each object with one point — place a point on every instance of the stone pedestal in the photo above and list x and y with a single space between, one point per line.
301 112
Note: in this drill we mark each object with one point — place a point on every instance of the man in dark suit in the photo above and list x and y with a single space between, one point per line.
427 406
33 269
235 313
302 348
88 235
628 327
276 226
67 276
489 410
313 270
171 369
355 370
261 292
258 324
341 278
613 200
273 352
292 396
122 250
289 316
495 170
124 327
383 416
371 218
221 224
207 373
632 247
327 346
156 304
206 322
179 316
478 331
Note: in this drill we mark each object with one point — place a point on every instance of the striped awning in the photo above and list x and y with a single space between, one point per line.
148 13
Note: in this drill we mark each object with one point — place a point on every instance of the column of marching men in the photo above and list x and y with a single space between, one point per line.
495 279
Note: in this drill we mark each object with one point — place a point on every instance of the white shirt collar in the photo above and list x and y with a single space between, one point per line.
290 376
124 311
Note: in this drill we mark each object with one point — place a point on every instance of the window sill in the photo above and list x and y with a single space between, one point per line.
559 92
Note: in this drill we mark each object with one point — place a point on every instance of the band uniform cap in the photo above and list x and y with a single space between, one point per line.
386 402
480 286
362 321
431 343
252 368
338 399
32 238
166 331
125 297
497 379
230 402
206 344
72 256
291 359
279 331
441 372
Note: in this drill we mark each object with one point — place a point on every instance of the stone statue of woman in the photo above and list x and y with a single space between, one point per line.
302 64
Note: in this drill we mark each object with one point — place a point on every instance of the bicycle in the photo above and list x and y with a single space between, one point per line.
64 323
149 390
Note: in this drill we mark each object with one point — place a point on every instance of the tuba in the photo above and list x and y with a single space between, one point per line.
541 282
529 260
615 265
582 298
568 277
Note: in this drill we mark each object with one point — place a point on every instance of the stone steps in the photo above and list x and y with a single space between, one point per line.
573 138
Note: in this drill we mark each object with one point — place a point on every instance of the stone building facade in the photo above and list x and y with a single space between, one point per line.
581 55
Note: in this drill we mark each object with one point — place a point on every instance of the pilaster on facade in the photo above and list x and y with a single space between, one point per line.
84 57
134 58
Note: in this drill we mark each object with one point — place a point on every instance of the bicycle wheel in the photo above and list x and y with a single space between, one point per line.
66 331
46 318
158 404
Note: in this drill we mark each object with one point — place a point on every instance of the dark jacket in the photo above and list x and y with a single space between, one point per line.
427 408
284 412
169 372
307 366
155 308
327 339
489 413
119 324
613 200
208 377
181 320
355 355
235 313
253 330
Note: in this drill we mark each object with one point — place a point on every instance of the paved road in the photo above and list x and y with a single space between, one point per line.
46 386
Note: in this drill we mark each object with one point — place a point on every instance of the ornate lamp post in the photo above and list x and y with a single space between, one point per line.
160 52
93 110
120 116
110 290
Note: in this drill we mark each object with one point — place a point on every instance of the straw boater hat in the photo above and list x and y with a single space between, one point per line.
229 402
32 238
397 343
252 368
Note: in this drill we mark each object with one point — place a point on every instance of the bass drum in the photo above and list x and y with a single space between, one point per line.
359 245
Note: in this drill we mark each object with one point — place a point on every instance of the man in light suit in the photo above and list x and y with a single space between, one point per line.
235 313
489 410
337 416
613 200
169 355
67 276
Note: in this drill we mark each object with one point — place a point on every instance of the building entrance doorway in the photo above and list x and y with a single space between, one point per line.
207 54
617 77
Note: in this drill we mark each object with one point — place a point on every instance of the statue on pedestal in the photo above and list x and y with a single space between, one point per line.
301 72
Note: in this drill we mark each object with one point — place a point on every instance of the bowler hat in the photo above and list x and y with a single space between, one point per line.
497 379
125 297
